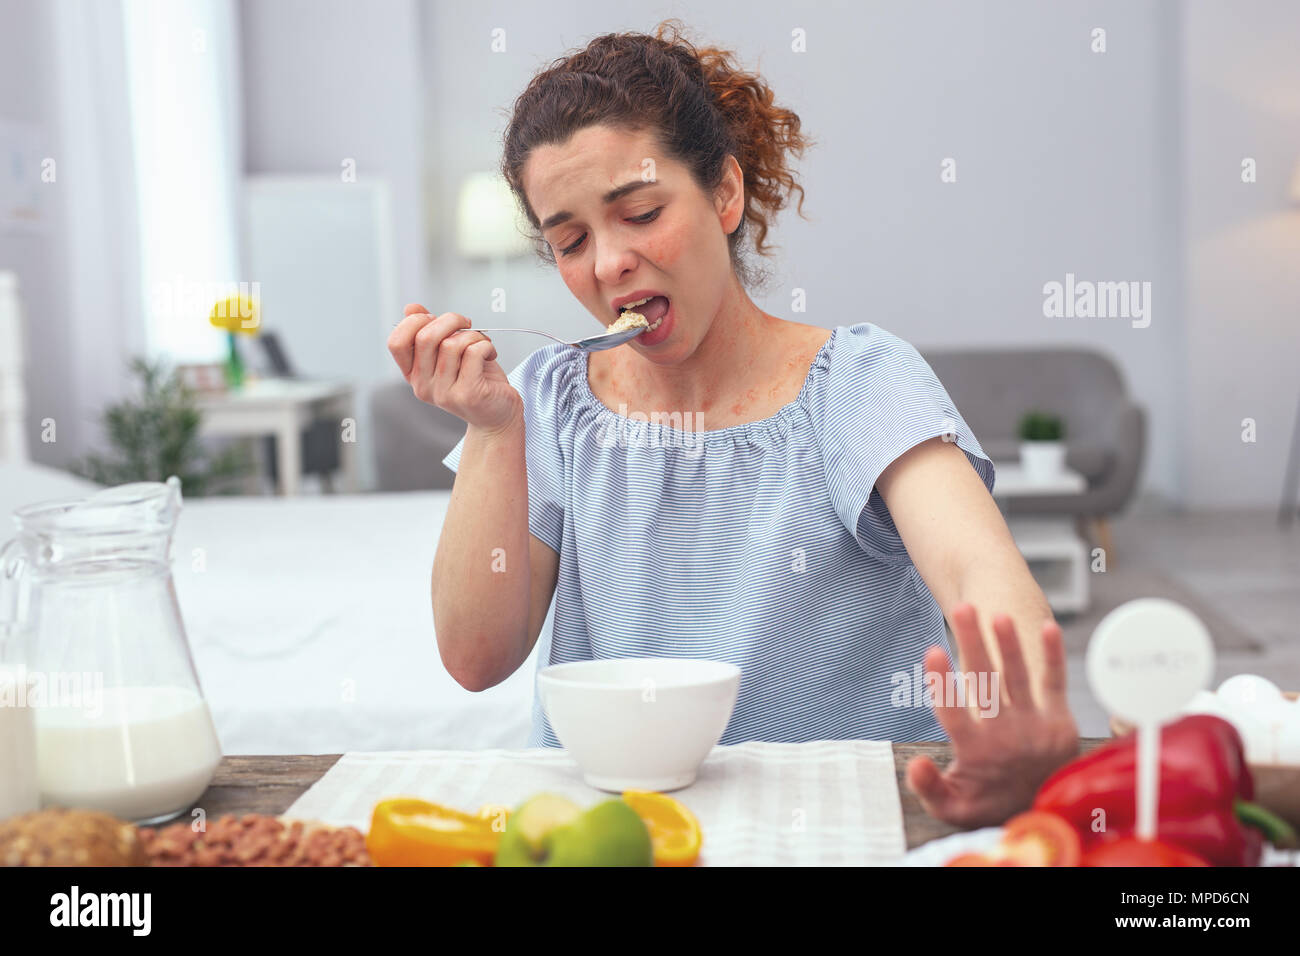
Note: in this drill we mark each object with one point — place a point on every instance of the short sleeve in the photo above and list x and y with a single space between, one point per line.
878 399
538 379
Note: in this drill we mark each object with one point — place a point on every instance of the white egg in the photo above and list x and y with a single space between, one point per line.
1286 743
1258 745
1268 723
1253 731
1204 702
1249 691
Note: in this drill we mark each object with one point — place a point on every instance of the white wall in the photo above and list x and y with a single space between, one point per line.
330 80
1112 166
28 94
79 279
1241 99
1067 162
335 82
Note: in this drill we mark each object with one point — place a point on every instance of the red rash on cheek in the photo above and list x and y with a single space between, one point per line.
659 251
666 248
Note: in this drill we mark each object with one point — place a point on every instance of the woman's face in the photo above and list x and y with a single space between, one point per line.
661 233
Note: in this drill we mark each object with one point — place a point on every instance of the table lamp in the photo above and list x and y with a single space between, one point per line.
488 222
1291 483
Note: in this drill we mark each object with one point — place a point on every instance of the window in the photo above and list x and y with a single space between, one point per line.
184 94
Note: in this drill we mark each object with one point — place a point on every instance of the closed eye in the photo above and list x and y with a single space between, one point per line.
651 216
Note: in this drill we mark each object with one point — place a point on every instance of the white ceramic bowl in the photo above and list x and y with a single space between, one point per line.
639 723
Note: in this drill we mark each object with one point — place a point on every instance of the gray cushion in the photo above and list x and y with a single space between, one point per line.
1092 461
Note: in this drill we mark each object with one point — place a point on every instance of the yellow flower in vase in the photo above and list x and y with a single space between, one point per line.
237 314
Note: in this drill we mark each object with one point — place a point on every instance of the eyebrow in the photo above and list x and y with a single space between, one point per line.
615 194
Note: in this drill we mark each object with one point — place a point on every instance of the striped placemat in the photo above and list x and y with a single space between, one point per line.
822 803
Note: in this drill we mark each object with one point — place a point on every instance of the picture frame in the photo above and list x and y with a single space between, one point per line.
206 378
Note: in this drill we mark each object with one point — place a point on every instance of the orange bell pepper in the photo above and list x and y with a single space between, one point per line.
410 832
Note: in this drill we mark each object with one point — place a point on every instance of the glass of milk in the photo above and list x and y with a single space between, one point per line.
120 722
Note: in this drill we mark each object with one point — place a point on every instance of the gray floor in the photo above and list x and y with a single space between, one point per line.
1240 563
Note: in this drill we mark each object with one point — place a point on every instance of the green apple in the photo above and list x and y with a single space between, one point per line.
551 830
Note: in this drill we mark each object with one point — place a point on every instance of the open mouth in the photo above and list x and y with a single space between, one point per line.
652 309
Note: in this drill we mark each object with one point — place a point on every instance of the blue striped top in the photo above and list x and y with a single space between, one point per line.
764 544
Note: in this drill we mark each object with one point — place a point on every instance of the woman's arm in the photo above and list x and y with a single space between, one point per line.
960 544
481 569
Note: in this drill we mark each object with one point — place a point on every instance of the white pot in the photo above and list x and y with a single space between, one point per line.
1042 459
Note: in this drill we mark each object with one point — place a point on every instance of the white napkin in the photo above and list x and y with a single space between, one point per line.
822 803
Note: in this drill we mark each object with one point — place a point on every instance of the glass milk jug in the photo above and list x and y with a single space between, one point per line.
18 792
121 725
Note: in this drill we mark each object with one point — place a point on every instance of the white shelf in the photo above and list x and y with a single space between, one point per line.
1057 558
1010 480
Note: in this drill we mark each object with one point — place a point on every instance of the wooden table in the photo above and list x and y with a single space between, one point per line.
270 785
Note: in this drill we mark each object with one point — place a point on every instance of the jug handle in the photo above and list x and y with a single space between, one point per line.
12 565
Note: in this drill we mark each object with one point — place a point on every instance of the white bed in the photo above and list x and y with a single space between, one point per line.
310 624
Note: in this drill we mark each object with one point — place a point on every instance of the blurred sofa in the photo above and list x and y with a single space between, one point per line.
1105 430
411 439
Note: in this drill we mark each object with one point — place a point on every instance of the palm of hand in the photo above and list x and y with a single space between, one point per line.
1002 755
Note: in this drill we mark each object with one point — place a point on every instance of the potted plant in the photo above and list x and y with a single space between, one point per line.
1042 449
158 436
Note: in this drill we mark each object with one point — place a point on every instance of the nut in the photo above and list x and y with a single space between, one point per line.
255 839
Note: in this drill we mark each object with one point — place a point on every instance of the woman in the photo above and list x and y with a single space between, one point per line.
730 485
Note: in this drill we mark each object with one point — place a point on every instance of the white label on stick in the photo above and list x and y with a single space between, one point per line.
1147 658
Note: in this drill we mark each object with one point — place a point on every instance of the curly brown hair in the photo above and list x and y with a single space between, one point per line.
697 103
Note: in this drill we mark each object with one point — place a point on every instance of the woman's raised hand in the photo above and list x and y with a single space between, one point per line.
457 373
1002 748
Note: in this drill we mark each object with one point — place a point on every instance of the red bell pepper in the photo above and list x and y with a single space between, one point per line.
1130 851
1202 774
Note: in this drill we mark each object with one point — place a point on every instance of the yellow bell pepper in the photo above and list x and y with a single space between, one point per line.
407 831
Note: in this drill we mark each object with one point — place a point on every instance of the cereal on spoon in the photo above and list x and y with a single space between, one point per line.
629 320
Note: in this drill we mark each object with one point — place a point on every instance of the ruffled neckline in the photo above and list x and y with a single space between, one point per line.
776 426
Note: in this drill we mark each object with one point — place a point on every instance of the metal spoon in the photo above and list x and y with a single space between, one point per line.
592 343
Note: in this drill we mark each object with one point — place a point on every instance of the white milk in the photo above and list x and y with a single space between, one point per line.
19 792
147 752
